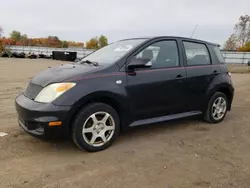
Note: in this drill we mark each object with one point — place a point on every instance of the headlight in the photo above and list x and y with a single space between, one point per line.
53 91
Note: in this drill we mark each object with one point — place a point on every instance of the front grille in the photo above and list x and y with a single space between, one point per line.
32 90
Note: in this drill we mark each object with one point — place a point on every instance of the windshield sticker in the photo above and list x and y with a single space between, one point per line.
123 49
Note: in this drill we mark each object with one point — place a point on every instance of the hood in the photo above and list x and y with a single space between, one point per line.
61 73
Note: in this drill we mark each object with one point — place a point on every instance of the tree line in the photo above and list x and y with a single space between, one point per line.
1 43
97 42
240 39
19 39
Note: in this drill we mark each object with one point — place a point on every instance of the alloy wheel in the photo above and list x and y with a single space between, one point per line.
98 129
219 108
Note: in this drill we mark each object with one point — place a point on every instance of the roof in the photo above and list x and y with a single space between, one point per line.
174 37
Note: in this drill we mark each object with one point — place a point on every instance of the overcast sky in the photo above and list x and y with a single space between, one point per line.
80 20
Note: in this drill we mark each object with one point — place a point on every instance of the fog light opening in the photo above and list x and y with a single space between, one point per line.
40 129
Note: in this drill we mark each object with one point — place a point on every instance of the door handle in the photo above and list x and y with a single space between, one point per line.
179 77
215 72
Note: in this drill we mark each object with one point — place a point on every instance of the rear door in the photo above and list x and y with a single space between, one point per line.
158 90
200 72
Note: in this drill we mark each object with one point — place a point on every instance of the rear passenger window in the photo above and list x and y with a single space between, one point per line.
196 53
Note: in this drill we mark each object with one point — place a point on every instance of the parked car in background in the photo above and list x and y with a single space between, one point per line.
127 83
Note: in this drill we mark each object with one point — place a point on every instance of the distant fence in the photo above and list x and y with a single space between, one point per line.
236 57
230 57
81 52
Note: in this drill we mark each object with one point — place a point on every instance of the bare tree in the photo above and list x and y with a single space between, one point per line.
242 30
1 31
231 43
1 44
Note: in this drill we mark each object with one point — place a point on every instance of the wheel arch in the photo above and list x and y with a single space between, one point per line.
228 93
105 97
223 88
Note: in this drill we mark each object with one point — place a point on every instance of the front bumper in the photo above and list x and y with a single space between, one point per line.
34 117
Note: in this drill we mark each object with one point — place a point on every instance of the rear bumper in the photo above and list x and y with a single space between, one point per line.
34 117
232 97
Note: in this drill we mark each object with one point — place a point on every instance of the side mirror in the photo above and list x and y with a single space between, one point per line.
139 63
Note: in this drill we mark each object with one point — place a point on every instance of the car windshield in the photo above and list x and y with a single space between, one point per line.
113 52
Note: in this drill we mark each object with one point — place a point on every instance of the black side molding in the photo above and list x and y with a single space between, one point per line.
164 118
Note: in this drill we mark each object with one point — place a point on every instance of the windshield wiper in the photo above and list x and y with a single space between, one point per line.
89 62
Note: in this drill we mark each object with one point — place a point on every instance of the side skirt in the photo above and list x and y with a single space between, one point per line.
164 118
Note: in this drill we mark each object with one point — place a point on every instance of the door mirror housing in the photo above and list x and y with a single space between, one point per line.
139 63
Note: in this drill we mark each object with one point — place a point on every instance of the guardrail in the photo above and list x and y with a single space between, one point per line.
236 57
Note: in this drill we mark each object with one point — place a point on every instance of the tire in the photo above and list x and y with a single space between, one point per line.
210 111
95 127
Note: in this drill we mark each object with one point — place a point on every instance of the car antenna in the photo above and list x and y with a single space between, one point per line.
194 31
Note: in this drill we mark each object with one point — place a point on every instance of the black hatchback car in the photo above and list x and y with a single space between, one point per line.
127 83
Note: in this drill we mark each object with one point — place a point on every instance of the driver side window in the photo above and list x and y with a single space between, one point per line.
163 54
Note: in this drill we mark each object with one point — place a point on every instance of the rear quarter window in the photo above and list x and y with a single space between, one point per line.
218 54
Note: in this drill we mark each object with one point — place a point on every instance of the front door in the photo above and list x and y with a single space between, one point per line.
158 90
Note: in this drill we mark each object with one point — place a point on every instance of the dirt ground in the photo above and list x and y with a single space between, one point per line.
239 68
179 154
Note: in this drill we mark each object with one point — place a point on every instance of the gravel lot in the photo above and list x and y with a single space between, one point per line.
179 154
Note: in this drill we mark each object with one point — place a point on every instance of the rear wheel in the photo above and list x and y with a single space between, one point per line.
217 108
96 127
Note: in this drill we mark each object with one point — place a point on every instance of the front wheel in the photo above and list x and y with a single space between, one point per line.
96 127
217 108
